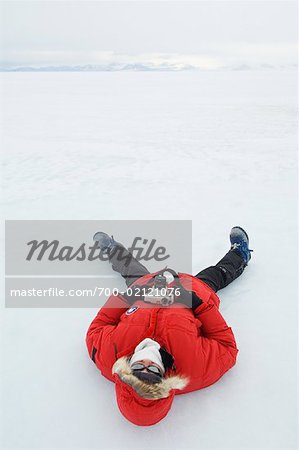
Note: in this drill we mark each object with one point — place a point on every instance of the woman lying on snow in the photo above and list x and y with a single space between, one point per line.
154 351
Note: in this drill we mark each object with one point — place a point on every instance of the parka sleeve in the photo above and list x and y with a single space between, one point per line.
104 322
216 345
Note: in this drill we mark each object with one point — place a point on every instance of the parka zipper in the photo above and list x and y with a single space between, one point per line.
156 321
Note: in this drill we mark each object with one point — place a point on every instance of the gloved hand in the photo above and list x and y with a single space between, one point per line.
189 298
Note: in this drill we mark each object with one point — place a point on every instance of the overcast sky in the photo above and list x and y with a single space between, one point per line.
207 33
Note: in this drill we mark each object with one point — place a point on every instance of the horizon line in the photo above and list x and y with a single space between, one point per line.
137 67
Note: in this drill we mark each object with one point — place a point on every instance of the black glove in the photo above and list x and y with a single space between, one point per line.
189 298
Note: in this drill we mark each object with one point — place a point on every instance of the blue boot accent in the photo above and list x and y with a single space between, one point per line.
240 242
105 242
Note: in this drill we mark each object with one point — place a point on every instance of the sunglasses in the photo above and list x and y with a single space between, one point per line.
151 369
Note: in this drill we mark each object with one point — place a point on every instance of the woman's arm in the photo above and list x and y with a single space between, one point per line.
216 347
104 322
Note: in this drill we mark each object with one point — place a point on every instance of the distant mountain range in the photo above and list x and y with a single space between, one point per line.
135 67
138 67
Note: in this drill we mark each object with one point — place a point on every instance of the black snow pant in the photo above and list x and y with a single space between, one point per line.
229 268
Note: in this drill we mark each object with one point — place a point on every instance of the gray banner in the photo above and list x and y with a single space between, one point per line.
57 264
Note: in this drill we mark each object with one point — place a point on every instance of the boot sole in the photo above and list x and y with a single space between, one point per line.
241 229
102 235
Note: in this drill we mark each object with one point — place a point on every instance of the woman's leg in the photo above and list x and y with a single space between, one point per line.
230 267
124 263
121 259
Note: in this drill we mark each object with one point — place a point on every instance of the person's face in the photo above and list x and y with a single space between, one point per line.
147 363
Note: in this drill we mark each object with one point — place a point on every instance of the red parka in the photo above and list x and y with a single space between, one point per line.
200 341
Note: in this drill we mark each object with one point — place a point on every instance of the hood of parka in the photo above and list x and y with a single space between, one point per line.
143 403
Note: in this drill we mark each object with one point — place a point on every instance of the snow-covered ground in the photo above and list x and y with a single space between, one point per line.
216 147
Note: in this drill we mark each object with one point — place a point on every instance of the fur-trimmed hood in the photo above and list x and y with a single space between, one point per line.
150 391
140 402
